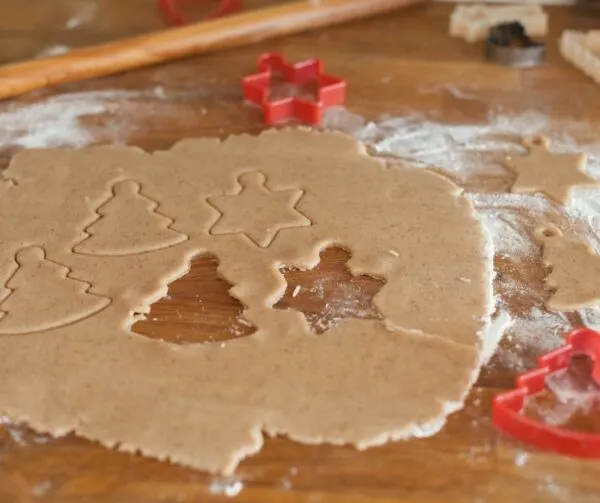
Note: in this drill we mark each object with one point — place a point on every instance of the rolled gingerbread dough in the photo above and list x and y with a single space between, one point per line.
554 174
90 238
574 270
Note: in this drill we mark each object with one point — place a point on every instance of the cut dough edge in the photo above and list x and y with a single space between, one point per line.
488 338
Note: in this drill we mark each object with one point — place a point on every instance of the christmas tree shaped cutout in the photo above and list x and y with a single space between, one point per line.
43 296
128 223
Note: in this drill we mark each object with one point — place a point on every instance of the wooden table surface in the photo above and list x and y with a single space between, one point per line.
388 62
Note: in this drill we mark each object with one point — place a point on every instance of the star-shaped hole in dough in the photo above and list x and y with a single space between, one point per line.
548 172
330 293
257 211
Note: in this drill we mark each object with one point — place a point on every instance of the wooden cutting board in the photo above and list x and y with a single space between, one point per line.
388 62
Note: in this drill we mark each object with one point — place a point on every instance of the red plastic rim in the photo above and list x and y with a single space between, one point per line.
170 8
257 88
508 406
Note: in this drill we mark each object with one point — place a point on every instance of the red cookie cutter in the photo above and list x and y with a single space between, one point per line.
257 89
170 8
507 406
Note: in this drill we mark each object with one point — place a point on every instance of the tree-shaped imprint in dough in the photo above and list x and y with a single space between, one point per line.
575 271
257 211
43 296
544 171
128 223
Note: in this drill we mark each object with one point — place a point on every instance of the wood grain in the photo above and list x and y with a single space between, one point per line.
397 64
165 45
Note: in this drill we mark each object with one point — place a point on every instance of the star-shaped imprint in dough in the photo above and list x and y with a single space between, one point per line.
548 172
257 211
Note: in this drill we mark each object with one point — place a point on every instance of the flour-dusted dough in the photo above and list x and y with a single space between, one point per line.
548 172
363 382
575 271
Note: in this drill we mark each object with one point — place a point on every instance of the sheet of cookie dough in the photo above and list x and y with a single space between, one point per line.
90 238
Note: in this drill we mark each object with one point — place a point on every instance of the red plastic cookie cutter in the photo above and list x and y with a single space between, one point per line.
257 89
170 8
507 406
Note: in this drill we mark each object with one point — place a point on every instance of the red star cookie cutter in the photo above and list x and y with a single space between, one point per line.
257 89
507 406
170 8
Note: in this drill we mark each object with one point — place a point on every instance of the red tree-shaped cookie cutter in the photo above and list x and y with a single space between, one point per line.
507 406
257 89
170 9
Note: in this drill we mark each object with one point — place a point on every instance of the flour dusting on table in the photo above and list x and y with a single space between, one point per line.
84 12
472 155
59 120
467 153
227 487
53 50
463 152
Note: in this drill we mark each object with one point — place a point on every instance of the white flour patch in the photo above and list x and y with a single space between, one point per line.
506 232
53 50
549 486
59 121
470 153
450 89
346 301
22 436
536 329
85 12
227 487
591 317
41 489
521 458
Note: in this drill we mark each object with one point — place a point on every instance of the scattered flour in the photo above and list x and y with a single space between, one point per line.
346 300
85 12
227 487
549 486
58 121
22 436
53 50
465 153
451 89
521 458
41 489
471 155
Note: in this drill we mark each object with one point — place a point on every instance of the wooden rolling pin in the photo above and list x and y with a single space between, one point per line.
236 30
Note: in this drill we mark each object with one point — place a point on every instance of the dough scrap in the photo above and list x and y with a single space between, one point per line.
582 50
545 171
575 275
362 382
473 22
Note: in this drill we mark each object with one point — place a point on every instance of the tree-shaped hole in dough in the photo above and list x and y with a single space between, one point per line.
197 309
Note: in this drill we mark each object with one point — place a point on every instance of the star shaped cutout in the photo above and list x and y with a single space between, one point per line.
548 172
330 293
257 89
257 211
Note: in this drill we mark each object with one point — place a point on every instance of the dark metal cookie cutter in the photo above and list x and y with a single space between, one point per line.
509 45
